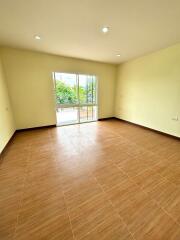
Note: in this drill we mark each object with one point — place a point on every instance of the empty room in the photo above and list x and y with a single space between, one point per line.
89 120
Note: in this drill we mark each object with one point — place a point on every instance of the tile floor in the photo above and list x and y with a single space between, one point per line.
106 180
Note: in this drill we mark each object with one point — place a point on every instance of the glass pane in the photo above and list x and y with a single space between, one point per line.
67 115
87 89
90 113
66 88
94 89
95 109
83 114
75 104
90 90
83 84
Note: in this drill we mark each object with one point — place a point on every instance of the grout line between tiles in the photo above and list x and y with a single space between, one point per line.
156 202
68 216
92 228
24 179
115 209
103 221
167 212
22 194
65 204
166 177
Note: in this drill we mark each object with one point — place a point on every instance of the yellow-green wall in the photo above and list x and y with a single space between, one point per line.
30 84
145 91
148 90
7 127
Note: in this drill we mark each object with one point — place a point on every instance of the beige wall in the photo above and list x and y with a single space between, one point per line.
148 90
29 77
7 126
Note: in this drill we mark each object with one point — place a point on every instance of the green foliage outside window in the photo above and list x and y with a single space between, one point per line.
68 95
65 94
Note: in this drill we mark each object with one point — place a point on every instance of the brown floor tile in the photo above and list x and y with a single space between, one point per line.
133 205
103 180
169 171
111 229
109 176
167 196
81 192
48 227
90 215
9 210
39 204
160 227
148 180
133 166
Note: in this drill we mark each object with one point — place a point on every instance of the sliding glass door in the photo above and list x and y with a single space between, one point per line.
76 98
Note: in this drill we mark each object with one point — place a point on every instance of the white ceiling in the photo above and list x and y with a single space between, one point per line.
73 27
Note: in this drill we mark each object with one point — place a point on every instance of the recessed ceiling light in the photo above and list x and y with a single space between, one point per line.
118 55
105 29
37 37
